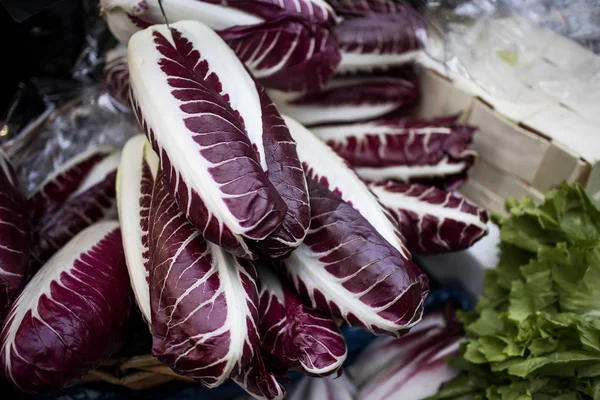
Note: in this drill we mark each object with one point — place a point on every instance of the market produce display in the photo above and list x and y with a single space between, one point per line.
275 198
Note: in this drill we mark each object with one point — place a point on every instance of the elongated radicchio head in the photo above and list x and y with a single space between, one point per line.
135 180
380 41
14 233
416 363
62 183
203 299
346 267
408 150
116 77
287 45
430 219
329 388
366 7
350 100
86 191
295 336
71 316
331 171
202 113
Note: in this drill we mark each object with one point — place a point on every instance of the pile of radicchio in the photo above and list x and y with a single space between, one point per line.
279 190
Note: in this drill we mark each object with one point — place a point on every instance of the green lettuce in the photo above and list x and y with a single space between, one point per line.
535 333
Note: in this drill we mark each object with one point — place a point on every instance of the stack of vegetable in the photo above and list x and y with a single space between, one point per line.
536 332
245 238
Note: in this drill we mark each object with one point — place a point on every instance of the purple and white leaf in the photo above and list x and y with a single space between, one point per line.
286 44
14 232
62 183
258 381
408 150
284 171
322 164
287 54
345 267
203 299
432 220
135 181
329 388
202 113
366 7
71 316
293 335
93 200
116 78
379 354
418 367
380 41
350 99
217 14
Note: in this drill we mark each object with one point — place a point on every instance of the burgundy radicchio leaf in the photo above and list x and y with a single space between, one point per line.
93 200
287 54
258 381
366 7
415 365
135 181
286 44
116 78
285 172
409 150
61 184
379 41
350 100
203 299
430 219
345 267
202 113
71 316
14 231
323 165
293 335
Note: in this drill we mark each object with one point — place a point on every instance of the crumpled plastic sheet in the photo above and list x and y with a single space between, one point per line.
87 121
498 45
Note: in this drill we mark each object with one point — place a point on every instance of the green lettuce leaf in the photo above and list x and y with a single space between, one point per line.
535 333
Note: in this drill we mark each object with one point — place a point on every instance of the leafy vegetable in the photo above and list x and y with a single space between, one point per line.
344 266
415 366
378 41
287 45
293 335
201 111
537 327
203 300
135 180
430 219
366 7
116 77
285 173
330 388
80 194
408 150
71 316
323 165
14 231
350 99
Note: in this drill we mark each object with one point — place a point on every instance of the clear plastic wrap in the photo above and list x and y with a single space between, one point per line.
87 121
523 51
